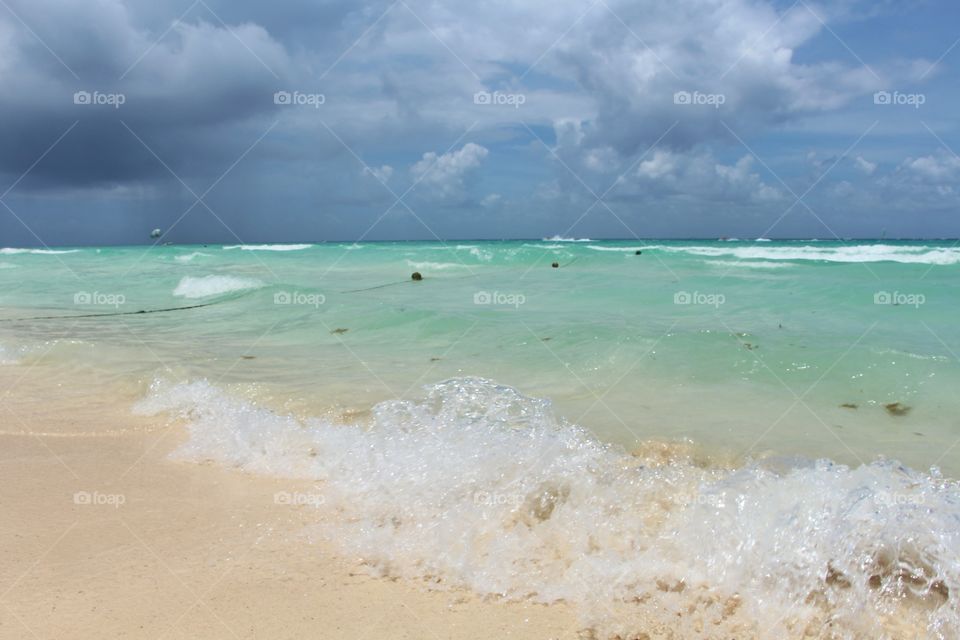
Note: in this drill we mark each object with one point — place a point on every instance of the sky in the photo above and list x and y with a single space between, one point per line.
304 120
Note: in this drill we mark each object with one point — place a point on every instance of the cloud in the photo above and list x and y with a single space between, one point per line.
444 175
597 80
865 165
382 174
701 177
178 93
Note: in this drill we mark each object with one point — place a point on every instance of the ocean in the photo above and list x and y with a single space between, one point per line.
752 433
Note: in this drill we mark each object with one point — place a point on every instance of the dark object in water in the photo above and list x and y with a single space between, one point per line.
849 405
416 276
340 330
638 252
434 359
248 357
555 265
897 409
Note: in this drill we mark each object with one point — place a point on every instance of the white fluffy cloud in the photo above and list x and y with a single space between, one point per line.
701 176
443 175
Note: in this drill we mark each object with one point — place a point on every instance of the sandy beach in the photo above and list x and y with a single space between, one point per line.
104 537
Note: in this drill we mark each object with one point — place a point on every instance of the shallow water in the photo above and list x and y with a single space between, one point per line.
776 337
748 426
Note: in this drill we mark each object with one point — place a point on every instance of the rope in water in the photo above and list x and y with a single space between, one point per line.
122 313
205 304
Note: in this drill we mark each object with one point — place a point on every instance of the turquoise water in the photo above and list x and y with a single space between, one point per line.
715 436
777 335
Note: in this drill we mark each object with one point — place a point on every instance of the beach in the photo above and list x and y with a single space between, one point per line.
292 440
103 537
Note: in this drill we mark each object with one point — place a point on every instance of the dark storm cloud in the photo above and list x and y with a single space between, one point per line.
656 101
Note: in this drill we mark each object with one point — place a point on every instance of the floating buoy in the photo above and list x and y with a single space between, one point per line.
156 233
416 276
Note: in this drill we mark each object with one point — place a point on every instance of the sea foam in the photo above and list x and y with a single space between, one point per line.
201 287
189 257
476 485
855 253
12 251
268 247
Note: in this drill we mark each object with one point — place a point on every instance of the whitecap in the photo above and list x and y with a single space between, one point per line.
751 264
13 250
268 247
190 256
436 266
909 254
621 249
201 287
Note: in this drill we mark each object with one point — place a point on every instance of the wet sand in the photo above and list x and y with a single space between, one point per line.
104 537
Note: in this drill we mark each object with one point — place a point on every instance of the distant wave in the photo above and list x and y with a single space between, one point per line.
855 253
190 256
544 246
562 239
751 264
212 285
438 266
268 247
11 251
621 249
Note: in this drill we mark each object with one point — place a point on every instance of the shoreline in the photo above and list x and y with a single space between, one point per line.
172 549
112 536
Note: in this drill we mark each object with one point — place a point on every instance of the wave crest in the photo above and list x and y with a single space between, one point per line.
477 485
201 287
